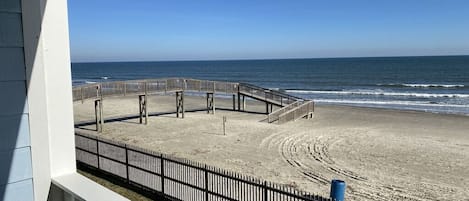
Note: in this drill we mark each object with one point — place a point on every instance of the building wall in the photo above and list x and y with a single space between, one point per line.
16 181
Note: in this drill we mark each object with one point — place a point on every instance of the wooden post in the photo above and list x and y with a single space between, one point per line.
182 106
210 103
145 102
96 114
125 88
239 101
234 102
244 103
177 104
266 107
146 110
140 109
208 106
126 163
101 115
142 104
224 125
82 96
180 103
97 91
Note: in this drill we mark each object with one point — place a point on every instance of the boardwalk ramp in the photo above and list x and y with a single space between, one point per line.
291 107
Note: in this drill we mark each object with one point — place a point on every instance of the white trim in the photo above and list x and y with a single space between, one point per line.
85 189
49 94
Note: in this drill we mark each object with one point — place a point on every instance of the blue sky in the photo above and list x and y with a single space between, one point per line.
151 30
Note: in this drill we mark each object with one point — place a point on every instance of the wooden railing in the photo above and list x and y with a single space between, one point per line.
304 110
291 106
275 97
274 116
153 86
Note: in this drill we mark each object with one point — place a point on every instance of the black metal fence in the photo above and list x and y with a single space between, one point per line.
178 178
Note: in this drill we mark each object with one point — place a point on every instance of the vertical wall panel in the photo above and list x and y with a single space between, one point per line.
19 191
15 151
11 30
17 163
12 62
14 132
10 6
13 99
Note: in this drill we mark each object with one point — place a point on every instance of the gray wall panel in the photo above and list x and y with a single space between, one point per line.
13 99
14 132
10 6
11 34
13 67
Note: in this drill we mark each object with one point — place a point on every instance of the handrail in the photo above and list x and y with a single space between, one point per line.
275 114
270 91
150 86
288 102
298 112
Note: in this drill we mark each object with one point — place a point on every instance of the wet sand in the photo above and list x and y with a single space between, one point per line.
381 154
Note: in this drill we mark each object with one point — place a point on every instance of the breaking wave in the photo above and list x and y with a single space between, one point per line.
381 93
424 85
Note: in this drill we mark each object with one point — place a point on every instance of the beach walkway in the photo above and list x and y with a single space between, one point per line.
289 108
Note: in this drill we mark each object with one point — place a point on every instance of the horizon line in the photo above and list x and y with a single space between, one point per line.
266 59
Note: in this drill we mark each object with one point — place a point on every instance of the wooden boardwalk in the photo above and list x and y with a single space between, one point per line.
297 107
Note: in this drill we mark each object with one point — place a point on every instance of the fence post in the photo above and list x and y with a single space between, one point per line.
265 191
206 183
162 172
182 107
97 151
96 115
127 163
234 102
146 110
82 96
125 88
224 125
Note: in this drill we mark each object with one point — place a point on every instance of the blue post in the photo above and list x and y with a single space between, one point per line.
337 190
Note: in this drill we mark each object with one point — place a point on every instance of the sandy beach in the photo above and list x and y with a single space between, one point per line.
381 154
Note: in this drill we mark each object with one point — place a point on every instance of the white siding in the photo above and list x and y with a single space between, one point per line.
18 191
16 181
19 168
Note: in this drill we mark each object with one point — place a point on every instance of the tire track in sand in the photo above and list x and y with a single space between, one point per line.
305 153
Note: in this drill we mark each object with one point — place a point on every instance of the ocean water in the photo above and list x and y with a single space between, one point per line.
433 84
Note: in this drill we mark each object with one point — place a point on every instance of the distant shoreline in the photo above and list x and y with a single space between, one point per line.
266 59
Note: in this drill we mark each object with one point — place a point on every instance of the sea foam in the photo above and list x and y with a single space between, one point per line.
381 93
424 85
